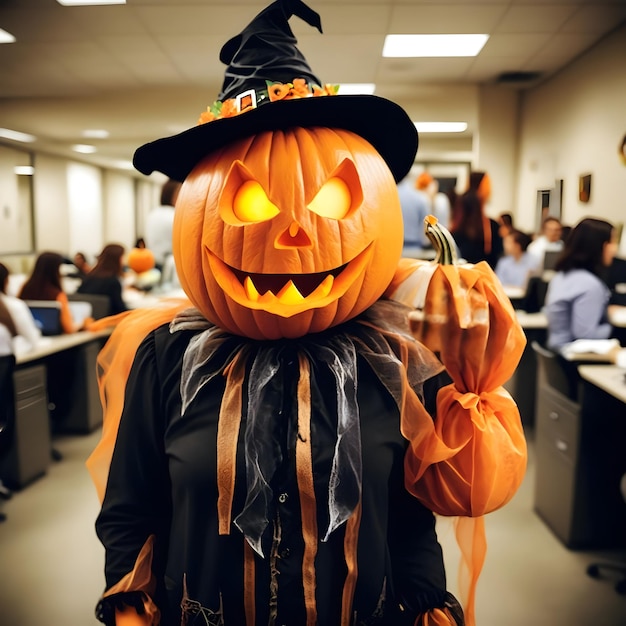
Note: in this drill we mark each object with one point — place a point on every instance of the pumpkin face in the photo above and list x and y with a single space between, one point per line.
287 232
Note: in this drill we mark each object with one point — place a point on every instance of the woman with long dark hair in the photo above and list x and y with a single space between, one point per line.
577 297
44 283
477 236
105 277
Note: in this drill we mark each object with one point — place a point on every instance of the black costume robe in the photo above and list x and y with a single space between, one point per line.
164 474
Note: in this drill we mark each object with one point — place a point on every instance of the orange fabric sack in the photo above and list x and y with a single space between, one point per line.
469 321
475 460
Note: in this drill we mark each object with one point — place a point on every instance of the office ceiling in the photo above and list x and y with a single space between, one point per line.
147 69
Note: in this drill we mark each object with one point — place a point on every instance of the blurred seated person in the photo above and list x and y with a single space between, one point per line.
7 330
160 222
437 202
517 265
577 297
81 263
476 235
44 283
441 204
550 240
6 341
106 277
505 221
140 243
415 207
27 335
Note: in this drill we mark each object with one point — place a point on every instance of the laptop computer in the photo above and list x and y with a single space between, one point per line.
47 315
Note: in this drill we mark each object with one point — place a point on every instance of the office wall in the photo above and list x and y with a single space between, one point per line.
15 202
85 209
119 209
76 206
494 112
496 145
51 202
568 126
573 125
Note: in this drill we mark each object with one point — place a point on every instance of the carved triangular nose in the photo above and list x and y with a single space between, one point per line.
294 237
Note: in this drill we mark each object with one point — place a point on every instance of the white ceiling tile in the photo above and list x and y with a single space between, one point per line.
518 44
485 69
563 48
150 65
412 71
535 18
339 19
227 20
434 18
596 18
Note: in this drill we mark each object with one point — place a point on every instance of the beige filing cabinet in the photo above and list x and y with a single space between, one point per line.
557 434
580 443
29 454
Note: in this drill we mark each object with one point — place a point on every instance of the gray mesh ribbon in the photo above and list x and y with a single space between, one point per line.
344 489
376 336
263 452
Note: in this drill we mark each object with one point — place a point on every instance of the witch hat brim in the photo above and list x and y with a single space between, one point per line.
381 122
264 52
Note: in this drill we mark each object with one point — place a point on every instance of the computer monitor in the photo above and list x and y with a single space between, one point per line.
47 314
550 258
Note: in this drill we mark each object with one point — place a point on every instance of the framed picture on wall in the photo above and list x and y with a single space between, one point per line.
584 187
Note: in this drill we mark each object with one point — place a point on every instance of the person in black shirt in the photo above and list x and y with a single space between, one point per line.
105 277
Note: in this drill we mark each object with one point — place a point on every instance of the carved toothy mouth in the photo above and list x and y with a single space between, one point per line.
287 294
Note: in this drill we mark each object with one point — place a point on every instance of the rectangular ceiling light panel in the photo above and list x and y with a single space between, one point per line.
441 127
6 37
87 3
433 45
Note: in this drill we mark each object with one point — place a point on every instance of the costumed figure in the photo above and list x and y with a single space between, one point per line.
274 448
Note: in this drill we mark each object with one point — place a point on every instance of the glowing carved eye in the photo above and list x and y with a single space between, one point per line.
333 199
251 204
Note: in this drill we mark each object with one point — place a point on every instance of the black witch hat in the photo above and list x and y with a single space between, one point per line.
269 85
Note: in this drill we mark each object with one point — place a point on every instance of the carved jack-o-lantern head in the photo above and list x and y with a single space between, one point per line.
288 232
288 221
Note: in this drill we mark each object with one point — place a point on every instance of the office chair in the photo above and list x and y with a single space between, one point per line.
595 569
100 305
7 413
557 372
535 294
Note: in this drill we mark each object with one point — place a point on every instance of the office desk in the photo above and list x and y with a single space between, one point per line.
56 385
522 384
610 379
54 345
539 320
581 457
532 321
141 300
73 397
